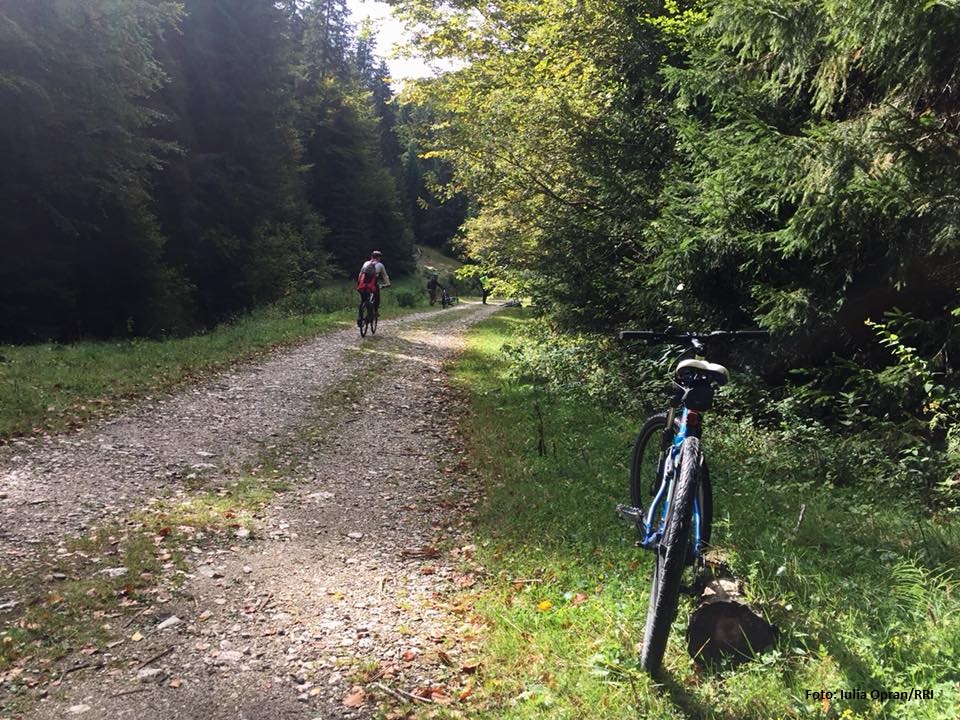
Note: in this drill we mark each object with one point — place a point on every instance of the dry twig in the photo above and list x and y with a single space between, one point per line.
400 695
162 653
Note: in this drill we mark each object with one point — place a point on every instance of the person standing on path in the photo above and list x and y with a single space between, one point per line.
372 277
433 283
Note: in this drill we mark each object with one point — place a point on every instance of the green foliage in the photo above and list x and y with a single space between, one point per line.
435 207
559 141
406 298
864 589
348 181
723 164
168 165
74 211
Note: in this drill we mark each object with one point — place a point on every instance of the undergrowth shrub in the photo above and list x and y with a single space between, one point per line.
406 298
837 437
589 367
322 300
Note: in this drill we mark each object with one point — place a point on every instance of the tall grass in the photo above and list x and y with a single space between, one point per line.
866 590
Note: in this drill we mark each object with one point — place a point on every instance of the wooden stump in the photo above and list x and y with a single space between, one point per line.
723 626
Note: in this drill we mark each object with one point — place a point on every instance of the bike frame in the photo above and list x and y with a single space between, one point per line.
652 531
368 299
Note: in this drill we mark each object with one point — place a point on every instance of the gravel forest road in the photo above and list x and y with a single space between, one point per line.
337 603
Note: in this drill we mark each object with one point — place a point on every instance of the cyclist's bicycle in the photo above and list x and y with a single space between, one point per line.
368 315
447 300
671 501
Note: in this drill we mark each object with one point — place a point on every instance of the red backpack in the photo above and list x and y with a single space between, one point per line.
367 282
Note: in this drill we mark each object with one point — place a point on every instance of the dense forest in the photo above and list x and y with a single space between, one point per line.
167 165
712 164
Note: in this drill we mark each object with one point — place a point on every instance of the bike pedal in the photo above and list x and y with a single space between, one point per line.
630 514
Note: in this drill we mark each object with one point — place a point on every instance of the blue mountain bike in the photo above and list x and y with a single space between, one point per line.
671 500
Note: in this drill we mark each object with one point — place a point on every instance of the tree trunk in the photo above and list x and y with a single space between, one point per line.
723 626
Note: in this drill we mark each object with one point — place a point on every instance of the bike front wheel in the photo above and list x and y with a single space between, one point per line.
671 557
646 470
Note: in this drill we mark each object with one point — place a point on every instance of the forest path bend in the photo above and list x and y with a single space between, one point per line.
335 580
58 486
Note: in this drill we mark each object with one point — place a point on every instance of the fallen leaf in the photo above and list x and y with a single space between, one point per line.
355 698
444 658
466 692
465 581
409 656
175 683
579 598
439 696
137 636
470 666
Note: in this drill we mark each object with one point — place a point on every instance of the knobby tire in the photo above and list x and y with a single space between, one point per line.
671 556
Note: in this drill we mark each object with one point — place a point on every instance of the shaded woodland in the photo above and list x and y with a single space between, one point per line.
165 166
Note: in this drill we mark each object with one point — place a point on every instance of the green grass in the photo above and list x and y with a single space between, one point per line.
866 592
56 387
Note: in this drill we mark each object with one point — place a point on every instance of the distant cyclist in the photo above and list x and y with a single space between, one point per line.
372 277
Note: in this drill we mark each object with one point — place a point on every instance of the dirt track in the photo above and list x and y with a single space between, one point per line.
343 583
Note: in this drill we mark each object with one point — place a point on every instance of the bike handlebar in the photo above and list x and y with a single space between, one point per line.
709 335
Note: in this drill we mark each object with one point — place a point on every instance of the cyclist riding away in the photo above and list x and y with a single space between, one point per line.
372 277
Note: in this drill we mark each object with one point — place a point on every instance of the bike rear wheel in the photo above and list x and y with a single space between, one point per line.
646 470
369 317
670 558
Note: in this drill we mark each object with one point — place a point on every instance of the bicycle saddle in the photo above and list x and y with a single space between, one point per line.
717 373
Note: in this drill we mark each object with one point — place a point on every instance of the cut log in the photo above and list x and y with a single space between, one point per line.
723 626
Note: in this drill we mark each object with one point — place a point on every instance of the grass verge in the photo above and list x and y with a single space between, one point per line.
55 387
866 591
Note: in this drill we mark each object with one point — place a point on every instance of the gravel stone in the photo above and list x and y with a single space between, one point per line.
290 619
